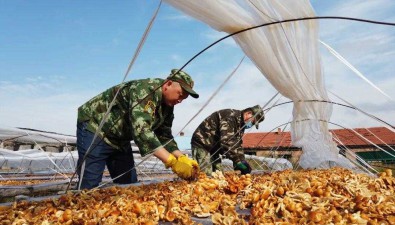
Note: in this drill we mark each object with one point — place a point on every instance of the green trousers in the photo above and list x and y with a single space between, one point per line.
207 161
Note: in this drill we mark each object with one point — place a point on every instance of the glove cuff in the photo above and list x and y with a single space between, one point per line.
171 160
240 165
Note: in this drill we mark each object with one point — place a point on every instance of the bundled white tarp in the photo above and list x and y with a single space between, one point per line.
287 54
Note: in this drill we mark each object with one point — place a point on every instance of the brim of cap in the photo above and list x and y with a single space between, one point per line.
189 90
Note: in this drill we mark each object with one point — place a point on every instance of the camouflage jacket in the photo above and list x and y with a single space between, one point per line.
221 131
148 123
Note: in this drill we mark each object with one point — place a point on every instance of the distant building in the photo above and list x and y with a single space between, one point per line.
365 142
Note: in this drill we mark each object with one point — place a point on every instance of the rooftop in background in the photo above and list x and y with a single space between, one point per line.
377 135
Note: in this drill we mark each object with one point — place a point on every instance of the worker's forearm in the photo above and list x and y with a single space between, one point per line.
177 153
162 154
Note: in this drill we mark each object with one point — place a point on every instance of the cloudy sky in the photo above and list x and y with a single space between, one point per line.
55 55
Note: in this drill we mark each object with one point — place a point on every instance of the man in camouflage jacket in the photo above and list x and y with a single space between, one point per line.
221 134
142 110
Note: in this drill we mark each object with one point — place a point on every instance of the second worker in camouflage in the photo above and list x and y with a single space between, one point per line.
221 134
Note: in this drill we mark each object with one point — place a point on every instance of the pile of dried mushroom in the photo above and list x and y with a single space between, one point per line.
23 182
333 196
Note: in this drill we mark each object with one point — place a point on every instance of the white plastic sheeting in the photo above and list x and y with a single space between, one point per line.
266 164
34 160
37 161
287 54
28 136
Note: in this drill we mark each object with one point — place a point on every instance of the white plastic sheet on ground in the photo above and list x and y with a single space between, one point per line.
287 54
34 160
37 161
263 163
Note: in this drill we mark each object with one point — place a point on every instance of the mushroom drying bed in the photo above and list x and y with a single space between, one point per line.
331 196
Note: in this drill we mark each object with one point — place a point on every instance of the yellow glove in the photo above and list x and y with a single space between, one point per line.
184 167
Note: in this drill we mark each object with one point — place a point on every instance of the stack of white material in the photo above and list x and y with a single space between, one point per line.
287 54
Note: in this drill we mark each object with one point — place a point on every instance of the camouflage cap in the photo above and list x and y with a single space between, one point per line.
257 113
184 80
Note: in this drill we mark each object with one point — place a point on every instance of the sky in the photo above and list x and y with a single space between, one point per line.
56 55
